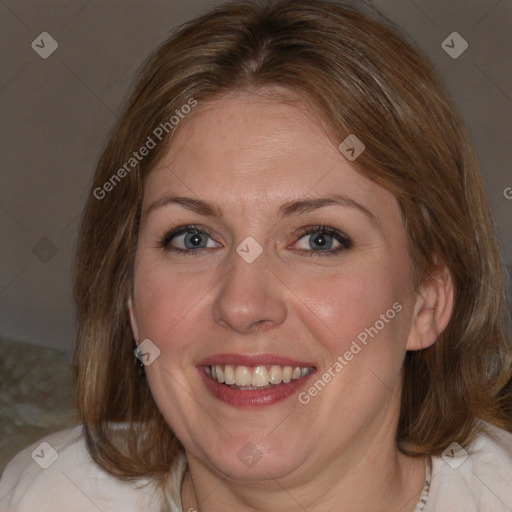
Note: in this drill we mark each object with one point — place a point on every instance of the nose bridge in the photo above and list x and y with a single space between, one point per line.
250 294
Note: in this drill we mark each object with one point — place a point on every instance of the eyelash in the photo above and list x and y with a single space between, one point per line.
343 239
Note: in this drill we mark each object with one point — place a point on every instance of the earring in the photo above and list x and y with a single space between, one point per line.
138 355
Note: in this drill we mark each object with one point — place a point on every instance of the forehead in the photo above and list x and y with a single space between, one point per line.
258 149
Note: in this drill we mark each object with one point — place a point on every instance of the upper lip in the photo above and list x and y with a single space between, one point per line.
253 360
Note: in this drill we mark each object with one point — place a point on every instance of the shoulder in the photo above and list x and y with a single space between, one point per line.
57 474
476 478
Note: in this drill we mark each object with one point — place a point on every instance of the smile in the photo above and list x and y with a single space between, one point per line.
255 377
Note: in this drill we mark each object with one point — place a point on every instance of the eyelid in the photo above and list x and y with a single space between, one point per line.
343 239
165 240
323 228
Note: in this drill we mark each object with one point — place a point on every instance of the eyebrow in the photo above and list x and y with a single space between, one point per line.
295 207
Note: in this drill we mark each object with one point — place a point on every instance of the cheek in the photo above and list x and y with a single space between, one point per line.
165 300
363 303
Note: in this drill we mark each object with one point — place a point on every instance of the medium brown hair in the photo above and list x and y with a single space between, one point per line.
363 78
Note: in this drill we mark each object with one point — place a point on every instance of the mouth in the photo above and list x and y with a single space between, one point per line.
253 381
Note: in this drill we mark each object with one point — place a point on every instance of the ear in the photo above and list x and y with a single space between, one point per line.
432 310
133 319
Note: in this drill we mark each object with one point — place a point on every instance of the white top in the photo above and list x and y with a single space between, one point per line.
58 475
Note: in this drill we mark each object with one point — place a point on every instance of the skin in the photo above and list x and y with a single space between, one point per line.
250 153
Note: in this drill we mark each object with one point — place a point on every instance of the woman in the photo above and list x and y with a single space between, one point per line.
289 227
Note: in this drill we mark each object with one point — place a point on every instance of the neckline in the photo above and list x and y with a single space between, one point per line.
420 505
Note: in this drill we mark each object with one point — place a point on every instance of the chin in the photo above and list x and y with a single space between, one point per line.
249 460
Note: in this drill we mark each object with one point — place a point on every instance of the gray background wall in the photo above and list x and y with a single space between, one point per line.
57 112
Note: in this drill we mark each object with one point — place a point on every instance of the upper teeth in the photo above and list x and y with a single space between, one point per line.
258 376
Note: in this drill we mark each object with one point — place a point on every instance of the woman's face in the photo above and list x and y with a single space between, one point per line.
282 256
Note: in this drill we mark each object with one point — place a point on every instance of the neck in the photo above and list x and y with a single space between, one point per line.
371 481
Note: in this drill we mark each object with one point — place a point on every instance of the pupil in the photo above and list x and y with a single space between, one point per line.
195 239
321 241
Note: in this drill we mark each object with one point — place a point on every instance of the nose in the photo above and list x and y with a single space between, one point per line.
251 297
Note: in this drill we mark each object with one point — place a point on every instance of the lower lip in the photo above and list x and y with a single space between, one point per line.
253 397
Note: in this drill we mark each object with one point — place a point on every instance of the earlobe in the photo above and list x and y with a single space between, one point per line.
432 311
133 319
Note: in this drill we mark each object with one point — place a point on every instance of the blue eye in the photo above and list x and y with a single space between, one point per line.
187 240
322 241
